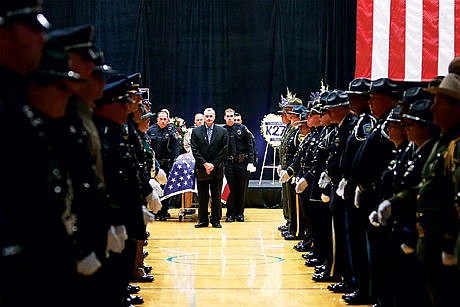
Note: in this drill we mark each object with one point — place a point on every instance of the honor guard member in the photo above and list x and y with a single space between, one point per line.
308 137
337 106
405 278
165 144
130 133
122 182
238 165
370 161
319 121
48 248
22 37
358 96
286 105
302 186
291 148
437 219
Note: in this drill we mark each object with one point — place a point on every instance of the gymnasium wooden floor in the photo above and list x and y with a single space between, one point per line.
241 264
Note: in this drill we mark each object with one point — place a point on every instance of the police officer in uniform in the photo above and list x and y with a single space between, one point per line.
164 142
286 105
437 219
404 282
370 161
292 144
238 165
337 105
122 181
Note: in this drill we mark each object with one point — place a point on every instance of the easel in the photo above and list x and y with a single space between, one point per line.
272 166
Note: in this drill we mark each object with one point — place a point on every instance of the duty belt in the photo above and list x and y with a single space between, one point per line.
238 158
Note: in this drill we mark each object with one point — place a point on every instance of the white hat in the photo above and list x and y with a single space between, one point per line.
449 86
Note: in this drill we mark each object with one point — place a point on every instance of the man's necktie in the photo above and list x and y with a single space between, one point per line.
209 131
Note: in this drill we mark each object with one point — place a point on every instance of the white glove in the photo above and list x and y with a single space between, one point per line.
278 170
161 177
148 216
324 180
301 185
341 189
114 243
156 187
357 195
251 168
120 230
153 202
407 249
384 211
284 176
325 198
373 219
448 259
88 265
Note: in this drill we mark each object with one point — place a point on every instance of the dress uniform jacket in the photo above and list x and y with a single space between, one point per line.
319 163
364 125
164 144
36 221
91 203
122 177
437 217
284 139
370 161
343 132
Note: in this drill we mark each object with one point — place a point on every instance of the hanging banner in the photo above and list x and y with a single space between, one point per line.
272 129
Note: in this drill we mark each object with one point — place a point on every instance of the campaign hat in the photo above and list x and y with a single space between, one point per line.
359 86
449 86
385 86
336 98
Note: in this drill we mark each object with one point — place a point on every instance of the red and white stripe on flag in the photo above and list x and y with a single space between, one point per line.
412 40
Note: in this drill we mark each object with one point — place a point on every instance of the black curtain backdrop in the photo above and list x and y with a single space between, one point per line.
229 53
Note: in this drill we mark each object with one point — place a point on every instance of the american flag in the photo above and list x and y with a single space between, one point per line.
181 177
406 40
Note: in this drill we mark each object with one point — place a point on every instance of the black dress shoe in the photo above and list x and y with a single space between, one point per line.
147 269
133 289
145 254
357 298
304 246
216 225
144 278
324 277
340 287
146 242
201 225
230 219
240 218
290 237
147 234
134 300
309 255
283 228
312 262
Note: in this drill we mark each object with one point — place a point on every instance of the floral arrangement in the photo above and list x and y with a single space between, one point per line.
181 129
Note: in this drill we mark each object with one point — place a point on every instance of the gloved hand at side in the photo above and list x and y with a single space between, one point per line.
88 265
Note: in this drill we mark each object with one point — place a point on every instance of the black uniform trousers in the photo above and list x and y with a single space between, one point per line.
237 179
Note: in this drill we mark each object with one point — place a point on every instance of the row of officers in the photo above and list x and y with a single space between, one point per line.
370 186
80 180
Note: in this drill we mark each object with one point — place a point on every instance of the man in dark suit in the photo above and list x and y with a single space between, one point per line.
209 144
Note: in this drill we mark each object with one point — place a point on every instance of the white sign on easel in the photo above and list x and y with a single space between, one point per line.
272 129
